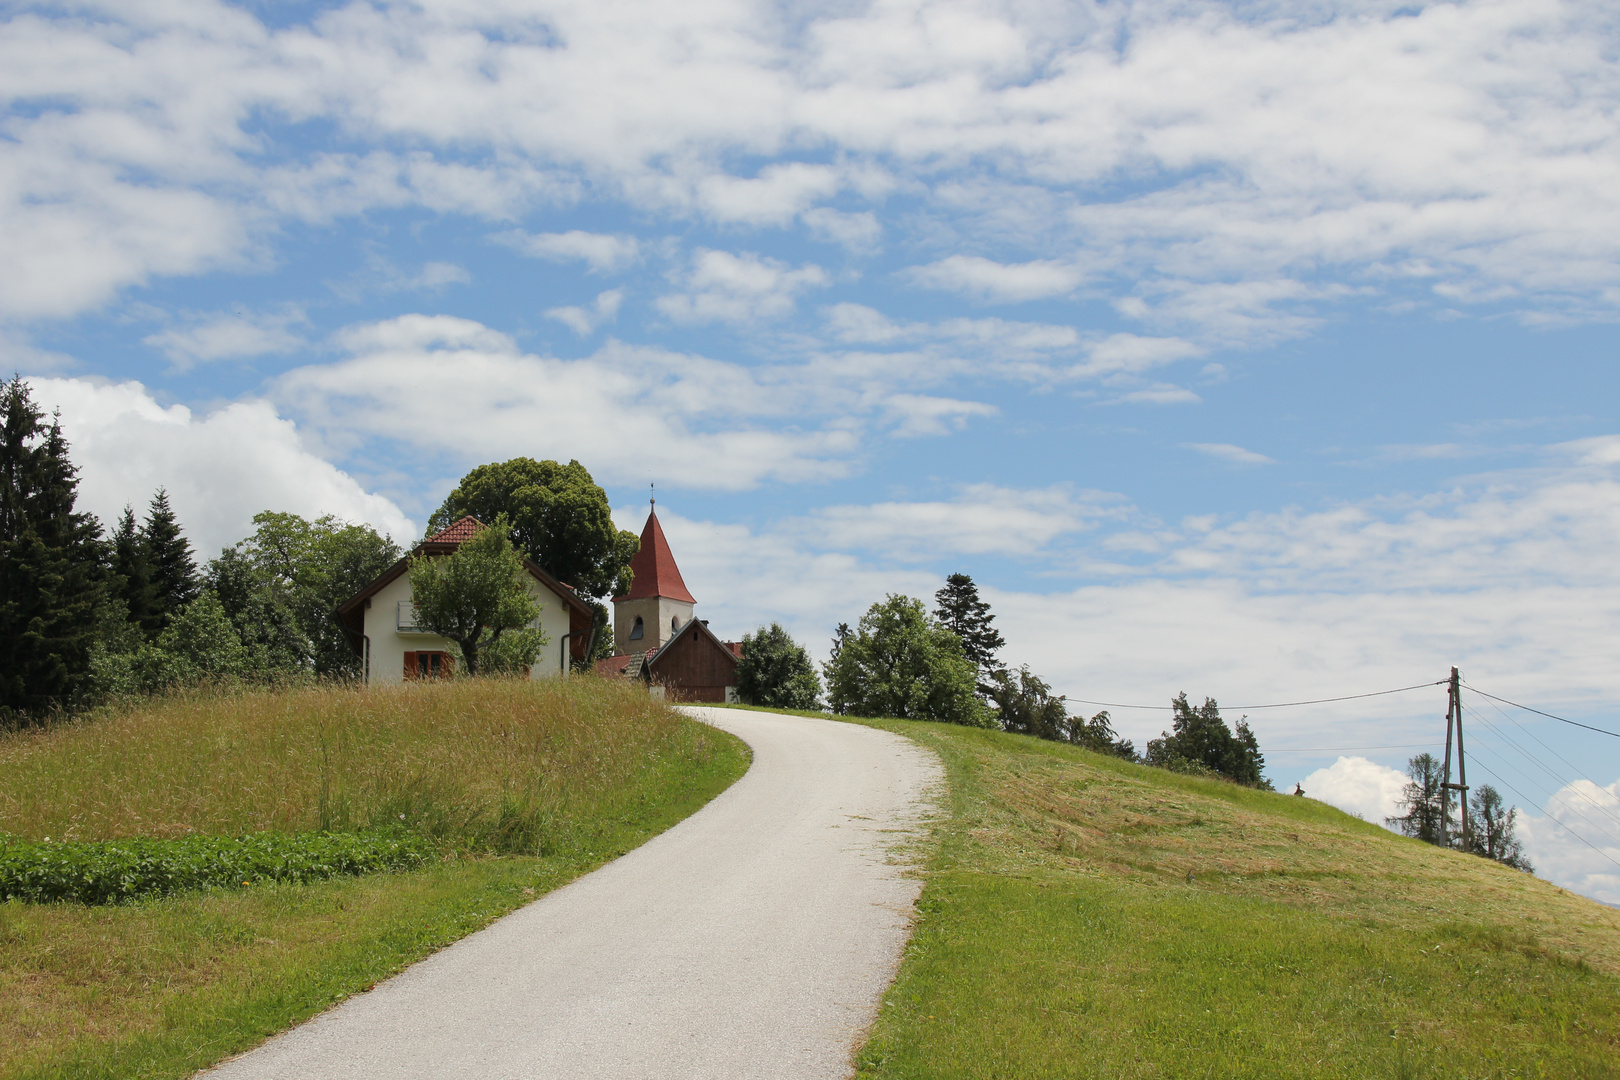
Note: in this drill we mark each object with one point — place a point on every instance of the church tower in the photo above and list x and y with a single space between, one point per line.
658 603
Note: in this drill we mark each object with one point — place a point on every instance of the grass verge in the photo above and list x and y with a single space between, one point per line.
1086 917
523 786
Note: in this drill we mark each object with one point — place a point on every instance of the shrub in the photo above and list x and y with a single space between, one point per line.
110 871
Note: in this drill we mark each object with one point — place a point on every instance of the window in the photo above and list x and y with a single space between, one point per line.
637 631
429 665
674 624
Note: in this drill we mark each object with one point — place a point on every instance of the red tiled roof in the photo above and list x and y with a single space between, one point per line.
653 569
734 646
456 532
615 665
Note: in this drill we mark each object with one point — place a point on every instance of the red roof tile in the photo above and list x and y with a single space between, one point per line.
653 568
456 532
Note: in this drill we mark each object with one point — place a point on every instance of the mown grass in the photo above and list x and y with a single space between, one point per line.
524 786
1086 917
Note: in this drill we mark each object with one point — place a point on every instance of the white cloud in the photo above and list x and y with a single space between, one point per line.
220 468
1217 169
1159 394
1235 455
994 281
442 385
604 253
1575 842
982 519
232 335
723 287
584 321
1357 786
920 414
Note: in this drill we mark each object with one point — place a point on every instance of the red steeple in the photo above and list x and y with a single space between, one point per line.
653 569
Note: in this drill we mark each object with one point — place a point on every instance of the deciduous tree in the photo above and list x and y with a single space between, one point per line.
1025 705
776 671
559 518
476 594
899 662
1491 829
1200 738
1424 804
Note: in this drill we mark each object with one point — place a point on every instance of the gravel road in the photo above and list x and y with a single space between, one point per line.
754 939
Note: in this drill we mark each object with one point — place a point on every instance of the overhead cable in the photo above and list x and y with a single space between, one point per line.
1548 715
1275 705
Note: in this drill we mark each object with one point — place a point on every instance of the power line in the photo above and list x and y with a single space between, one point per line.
1337 749
1552 798
1557 777
1548 715
1555 821
1277 705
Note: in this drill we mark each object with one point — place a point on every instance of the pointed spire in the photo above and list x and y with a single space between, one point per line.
653 568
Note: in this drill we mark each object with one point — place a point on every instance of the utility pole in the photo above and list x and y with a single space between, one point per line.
1454 718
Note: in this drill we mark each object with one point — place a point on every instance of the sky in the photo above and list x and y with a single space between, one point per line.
1259 351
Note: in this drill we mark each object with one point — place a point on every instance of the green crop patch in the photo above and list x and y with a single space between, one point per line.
111 871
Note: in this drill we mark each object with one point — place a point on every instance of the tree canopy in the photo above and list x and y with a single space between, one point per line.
1424 804
776 671
558 517
1025 705
1491 829
900 662
171 570
476 594
960 610
52 577
1200 739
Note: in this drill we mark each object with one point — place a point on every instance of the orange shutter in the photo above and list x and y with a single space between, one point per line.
410 665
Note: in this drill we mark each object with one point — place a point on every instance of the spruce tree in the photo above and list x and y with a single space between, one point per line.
168 558
961 611
132 576
51 572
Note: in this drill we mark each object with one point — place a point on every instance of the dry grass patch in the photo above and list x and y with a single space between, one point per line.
558 776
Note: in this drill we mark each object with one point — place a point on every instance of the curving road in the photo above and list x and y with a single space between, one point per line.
754 939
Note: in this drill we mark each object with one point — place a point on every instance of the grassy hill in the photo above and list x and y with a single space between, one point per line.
1085 917
521 786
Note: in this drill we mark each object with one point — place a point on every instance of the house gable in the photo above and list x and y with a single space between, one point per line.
694 665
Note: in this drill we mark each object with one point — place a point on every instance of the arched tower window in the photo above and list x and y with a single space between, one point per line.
674 624
637 630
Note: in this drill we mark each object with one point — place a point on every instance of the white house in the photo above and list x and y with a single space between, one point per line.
381 619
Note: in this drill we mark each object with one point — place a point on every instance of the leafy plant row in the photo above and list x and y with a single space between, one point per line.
110 871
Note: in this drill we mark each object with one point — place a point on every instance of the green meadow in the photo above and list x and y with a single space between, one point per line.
1090 918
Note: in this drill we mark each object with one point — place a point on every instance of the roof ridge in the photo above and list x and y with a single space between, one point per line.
652 570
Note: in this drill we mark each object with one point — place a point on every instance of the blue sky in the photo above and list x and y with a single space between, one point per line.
1258 351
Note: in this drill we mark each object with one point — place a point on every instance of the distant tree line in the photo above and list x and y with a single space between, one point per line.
1430 813
904 661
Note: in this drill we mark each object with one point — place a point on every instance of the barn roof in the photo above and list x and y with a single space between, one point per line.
653 570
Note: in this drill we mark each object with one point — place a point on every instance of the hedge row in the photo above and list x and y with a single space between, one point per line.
109 871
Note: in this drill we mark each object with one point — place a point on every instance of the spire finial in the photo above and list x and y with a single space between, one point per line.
653 498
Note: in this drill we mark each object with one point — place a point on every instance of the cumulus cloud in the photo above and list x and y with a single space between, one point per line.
989 280
722 287
1358 786
234 335
452 386
220 468
583 321
1575 841
1230 453
604 253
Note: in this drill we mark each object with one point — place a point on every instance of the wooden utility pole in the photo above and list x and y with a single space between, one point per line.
1454 718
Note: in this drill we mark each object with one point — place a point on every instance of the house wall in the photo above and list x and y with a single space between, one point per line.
388 646
694 668
656 611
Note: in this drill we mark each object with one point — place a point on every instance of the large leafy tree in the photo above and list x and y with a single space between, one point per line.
776 671
559 518
1199 738
52 576
282 586
1491 829
1425 804
899 662
171 570
960 610
476 594
1025 705
1097 734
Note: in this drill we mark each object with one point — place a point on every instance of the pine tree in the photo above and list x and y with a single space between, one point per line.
1491 830
962 612
1427 806
132 576
51 573
168 558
